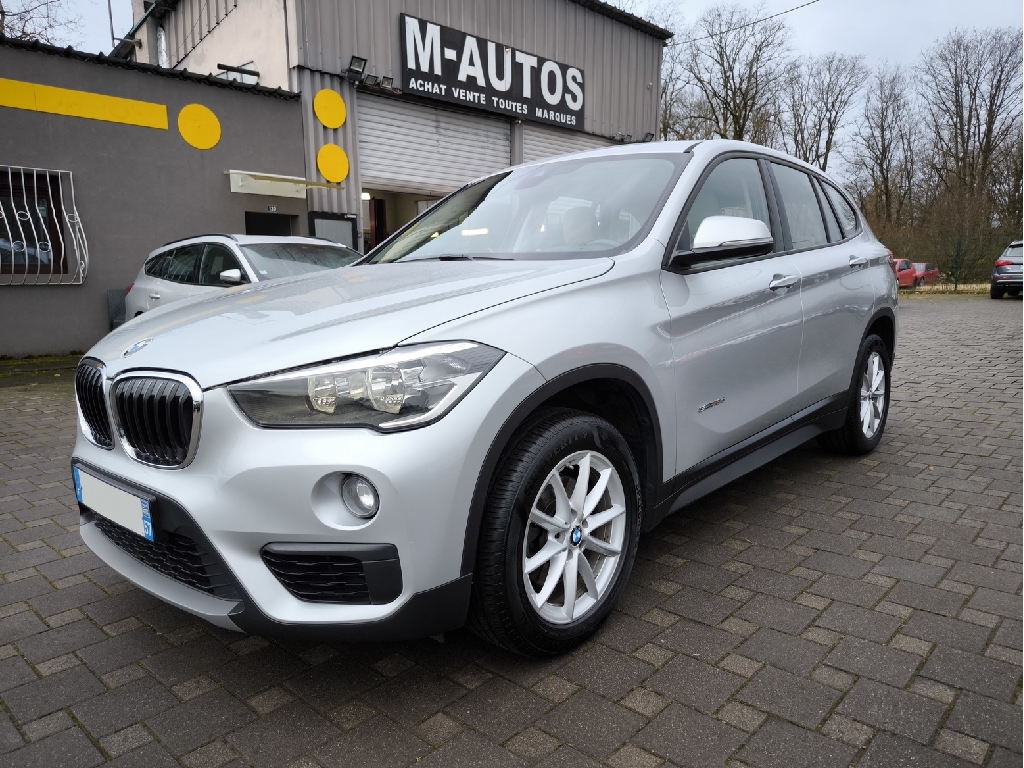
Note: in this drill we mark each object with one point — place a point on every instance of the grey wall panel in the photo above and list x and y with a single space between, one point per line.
618 61
190 22
540 141
135 188
405 147
315 135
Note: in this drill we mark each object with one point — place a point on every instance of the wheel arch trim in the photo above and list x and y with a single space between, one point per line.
651 434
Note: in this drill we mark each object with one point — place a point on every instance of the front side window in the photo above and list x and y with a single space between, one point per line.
733 188
219 259
272 260
566 209
180 267
806 228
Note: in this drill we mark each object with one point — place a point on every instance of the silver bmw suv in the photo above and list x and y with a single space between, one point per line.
476 423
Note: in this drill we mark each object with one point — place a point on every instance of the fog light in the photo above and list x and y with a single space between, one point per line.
360 496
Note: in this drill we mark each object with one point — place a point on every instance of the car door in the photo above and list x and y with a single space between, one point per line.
836 284
217 258
735 338
177 276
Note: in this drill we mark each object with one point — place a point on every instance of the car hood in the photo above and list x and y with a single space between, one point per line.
264 327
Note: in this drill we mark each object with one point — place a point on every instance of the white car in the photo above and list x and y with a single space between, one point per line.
184 268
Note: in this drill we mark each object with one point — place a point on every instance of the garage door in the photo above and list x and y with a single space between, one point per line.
540 141
405 147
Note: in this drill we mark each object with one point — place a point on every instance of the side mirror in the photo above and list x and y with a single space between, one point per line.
231 276
726 237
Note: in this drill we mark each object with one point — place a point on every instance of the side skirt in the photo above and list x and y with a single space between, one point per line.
743 458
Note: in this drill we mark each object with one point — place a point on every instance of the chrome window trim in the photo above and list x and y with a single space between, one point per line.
197 413
82 423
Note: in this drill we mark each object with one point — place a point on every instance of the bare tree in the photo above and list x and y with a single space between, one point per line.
971 86
886 156
735 60
816 96
51 21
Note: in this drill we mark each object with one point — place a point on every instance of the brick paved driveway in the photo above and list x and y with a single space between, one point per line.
820 612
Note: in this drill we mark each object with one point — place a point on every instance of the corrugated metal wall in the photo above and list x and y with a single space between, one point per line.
315 135
618 62
540 141
405 147
190 22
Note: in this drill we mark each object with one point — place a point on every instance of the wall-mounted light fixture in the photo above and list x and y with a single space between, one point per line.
647 137
387 82
364 196
371 80
356 67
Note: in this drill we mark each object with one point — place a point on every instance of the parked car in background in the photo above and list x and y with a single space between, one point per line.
927 274
1007 272
184 268
906 273
477 421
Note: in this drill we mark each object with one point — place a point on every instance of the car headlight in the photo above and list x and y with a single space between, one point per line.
404 387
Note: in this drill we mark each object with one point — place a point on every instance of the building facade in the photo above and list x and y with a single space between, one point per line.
103 160
404 101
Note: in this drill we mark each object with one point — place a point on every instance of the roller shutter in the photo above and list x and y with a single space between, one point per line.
540 141
406 147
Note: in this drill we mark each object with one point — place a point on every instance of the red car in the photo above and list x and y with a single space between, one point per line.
927 274
906 274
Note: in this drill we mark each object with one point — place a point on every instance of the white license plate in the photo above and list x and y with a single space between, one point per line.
121 507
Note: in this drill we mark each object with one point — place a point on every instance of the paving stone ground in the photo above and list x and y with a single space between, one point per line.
822 611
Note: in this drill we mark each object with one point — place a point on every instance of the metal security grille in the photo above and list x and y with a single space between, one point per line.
406 147
155 416
41 237
540 141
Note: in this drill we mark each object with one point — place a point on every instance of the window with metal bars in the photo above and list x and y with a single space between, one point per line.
41 235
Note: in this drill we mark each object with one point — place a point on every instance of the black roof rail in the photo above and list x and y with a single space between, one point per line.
205 234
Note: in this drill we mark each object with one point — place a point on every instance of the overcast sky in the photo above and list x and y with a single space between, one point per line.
896 30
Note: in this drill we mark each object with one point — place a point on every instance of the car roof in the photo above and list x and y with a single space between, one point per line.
246 240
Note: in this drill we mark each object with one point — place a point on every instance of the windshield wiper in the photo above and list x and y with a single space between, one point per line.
459 257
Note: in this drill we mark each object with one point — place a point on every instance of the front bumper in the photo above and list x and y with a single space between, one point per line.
249 487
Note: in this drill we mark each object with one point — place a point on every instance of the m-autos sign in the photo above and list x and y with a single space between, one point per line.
446 64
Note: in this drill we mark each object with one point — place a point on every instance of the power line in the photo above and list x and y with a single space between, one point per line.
749 23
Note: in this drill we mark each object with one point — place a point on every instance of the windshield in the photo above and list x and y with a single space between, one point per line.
567 209
272 260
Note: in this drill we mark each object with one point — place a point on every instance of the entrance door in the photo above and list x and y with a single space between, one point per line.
735 340
268 224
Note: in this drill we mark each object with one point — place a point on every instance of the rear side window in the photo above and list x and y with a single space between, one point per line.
845 211
835 233
733 188
806 228
155 266
181 265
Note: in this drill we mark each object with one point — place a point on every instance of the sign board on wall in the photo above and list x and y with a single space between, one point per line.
447 64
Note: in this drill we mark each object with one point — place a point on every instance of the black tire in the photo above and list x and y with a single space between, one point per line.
995 293
501 612
850 438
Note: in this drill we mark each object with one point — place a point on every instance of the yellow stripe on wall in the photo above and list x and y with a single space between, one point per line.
91 106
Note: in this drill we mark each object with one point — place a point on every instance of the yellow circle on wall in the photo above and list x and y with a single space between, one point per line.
198 126
330 108
332 162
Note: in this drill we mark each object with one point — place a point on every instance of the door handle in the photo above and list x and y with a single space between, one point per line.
856 262
782 281
154 295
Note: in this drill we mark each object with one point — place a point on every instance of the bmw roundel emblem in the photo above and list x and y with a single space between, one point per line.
136 347
576 536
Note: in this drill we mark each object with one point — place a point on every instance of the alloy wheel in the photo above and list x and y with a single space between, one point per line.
574 537
872 395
